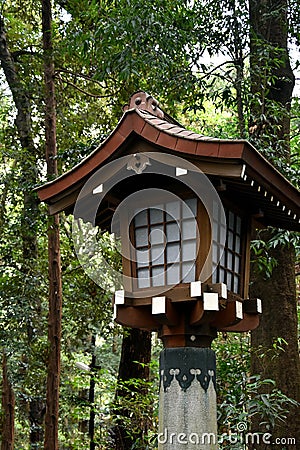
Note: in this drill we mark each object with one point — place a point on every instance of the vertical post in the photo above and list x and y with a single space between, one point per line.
188 406
92 396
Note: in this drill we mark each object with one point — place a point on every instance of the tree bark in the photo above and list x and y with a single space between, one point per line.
272 78
54 261
134 364
36 419
272 86
279 320
8 409
27 161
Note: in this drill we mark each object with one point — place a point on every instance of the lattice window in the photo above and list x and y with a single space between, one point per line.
166 242
227 262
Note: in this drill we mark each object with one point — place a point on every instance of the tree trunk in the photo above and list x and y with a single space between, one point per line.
132 424
54 262
272 78
270 129
279 320
54 336
28 164
36 417
8 409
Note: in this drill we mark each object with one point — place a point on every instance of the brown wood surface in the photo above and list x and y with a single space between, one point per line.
225 317
130 316
170 317
197 313
248 323
54 260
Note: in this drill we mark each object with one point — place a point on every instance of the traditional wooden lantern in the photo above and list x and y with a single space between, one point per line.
183 206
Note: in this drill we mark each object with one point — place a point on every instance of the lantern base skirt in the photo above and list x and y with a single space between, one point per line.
187 401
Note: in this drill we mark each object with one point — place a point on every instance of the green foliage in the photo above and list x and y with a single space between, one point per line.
104 51
263 261
236 412
130 48
261 249
141 402
233 360
211 121
75 407
278 346
240 397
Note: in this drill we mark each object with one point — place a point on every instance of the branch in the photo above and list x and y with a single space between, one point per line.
85 92
219 66
80 75
18 53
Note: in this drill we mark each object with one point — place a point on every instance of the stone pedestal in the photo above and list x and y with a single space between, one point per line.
187 409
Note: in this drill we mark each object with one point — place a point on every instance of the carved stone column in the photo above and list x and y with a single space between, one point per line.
187 410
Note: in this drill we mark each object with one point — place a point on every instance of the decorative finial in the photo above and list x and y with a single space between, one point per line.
142 100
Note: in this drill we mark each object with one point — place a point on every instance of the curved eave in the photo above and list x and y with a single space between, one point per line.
156 131
258 177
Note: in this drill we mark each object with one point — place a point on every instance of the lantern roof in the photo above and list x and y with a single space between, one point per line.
236 165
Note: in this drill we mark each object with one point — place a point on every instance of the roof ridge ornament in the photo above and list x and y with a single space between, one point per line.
142 100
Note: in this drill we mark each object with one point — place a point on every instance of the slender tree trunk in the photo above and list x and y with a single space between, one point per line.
93 367
8 409
239 67
132 424
36 418
55 286
270 129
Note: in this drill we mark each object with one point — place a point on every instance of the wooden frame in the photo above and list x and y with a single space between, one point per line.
205 230
245 243
131 269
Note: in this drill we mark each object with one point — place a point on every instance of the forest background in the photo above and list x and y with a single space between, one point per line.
220 68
